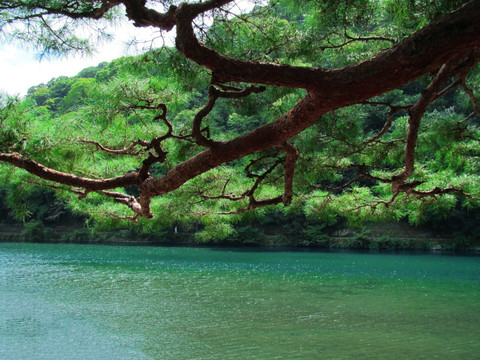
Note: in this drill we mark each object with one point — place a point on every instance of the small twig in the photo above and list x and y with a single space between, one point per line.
471 96
375 204
388 123
124 151
439 191
362 173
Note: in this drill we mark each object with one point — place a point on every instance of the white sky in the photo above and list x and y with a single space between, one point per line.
21 69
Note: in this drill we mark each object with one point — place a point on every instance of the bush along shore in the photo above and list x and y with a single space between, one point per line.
374 237
49 220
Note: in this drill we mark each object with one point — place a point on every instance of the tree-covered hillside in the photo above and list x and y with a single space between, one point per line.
321 111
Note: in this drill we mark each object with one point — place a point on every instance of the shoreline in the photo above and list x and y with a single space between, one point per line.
268 248
124 237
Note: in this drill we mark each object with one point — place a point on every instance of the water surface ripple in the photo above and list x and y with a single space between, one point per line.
118 302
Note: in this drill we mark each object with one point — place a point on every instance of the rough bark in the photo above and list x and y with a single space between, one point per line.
448 40
43 172
423 52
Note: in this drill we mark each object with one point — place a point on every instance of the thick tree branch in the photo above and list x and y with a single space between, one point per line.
213 94
127 200
197 120
43 172
230 92
195 9
441 45
290 161
423 52
144 17
264 137
418 109
471 96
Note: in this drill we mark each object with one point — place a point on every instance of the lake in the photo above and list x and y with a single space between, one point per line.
61 301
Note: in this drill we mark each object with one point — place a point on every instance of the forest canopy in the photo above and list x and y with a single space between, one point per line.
363 109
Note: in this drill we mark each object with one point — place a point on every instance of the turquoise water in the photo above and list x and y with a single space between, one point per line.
117 302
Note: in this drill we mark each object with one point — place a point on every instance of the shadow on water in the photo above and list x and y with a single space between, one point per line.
303 249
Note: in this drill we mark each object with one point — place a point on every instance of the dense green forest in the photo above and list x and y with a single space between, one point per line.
146 114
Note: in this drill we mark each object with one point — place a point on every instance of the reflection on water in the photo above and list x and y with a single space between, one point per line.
106 302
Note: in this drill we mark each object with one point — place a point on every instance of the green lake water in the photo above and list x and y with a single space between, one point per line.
119 302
